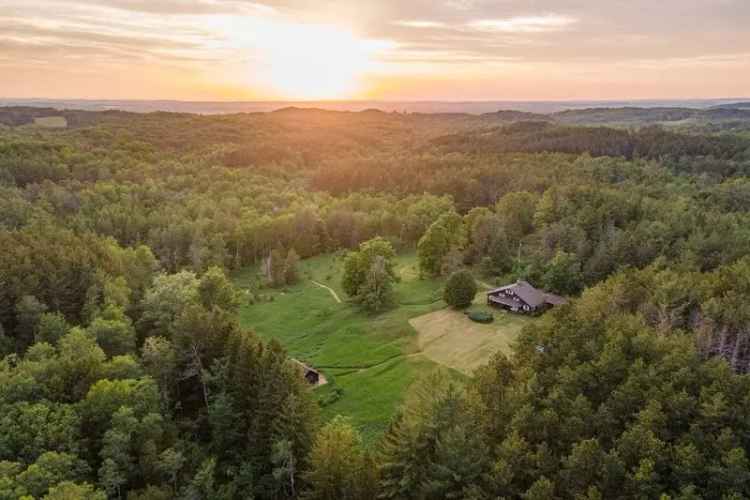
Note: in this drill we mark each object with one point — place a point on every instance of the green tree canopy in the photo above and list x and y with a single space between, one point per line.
358 264
460 289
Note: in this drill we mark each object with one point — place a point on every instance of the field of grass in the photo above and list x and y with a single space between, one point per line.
450 338
51 122
369 360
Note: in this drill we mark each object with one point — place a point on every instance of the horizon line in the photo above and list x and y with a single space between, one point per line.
385 101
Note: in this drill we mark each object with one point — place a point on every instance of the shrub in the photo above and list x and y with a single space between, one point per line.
331 397
481 316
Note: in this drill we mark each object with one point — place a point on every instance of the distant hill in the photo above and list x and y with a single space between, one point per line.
733 105
631 115
469 107
712 119
625 115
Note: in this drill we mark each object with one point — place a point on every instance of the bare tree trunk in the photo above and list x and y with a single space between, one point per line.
722 340
664 320
292 473
704 337
199 365
735 351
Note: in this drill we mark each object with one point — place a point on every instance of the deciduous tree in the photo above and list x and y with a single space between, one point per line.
460 289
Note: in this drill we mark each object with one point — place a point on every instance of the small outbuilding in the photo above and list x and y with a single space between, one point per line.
521 297
313 376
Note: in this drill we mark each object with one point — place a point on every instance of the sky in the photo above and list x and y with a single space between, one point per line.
451 50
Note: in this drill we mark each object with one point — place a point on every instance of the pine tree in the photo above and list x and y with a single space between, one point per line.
411 465
461 464
339 469
203 484
284 460
542 489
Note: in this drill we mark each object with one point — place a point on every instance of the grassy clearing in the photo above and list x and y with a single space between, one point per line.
51 122
369 360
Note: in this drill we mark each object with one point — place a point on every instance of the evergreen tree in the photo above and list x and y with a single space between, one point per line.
414 464
339 468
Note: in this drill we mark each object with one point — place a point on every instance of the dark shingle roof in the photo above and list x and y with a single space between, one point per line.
555 300
532 296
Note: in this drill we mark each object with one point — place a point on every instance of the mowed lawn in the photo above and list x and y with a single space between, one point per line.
51 122
450 338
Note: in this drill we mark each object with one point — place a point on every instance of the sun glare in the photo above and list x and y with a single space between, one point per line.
302 61
317 62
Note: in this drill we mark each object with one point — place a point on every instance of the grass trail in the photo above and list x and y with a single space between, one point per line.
486 285
333 292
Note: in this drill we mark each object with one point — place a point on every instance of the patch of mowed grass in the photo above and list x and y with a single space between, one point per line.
370 360
51 122
450 338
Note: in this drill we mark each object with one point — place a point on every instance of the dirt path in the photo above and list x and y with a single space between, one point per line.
333 292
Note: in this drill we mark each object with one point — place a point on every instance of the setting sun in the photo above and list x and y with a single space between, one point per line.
301 61
317 62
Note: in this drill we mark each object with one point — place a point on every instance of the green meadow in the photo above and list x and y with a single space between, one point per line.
51 122
368 360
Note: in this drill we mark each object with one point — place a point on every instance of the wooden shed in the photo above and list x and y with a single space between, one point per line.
313 376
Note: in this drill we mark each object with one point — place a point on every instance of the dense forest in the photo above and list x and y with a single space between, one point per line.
125 372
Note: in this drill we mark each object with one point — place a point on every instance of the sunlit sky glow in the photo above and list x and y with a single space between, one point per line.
388 49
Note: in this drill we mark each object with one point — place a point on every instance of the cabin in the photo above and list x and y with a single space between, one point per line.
521 297
312 375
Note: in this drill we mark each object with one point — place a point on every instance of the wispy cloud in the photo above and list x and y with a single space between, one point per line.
174 7
462 4
420 24
524 24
